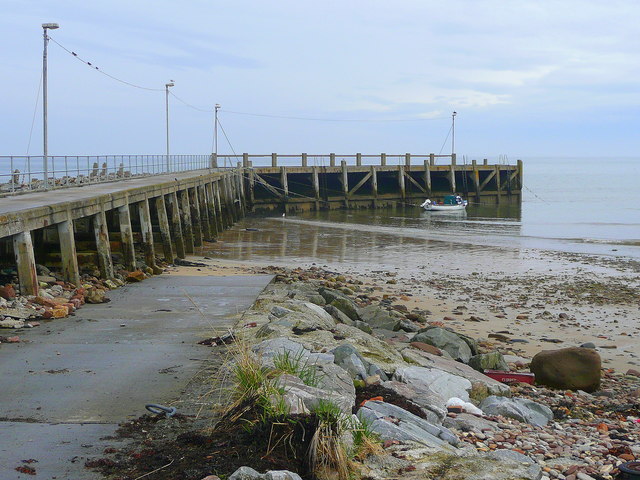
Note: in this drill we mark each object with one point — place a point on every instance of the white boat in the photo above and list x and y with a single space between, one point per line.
451 203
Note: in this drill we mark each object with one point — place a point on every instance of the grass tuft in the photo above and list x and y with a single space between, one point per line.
296 364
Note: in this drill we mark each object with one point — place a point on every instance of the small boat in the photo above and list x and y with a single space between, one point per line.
451 203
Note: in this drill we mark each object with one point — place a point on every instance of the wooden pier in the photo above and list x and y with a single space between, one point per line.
128 224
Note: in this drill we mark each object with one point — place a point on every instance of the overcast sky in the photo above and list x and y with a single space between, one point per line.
527 78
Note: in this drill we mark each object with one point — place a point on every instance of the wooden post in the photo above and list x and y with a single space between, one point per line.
476 179
165 232
453 159
332 159
103 246
374 185
240 187
427 176
146 227
316 185
211 208
485 161
345 182
452 177
383 159
245 160
70 269
358 159
274 160
498 186
304 159
222 220
187 225
176 225
401 181
432 159
520 176
196 219
251 186
407 160
201 197
126 238
26 263
285 182
214 160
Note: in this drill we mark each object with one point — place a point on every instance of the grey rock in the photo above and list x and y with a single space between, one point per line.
337 314
465 422
429 360
347 357
348 307
303 398
377 317
335 379
317 299
488 361
247 473
394 423
360 325
433 413
21 313
11 323
281 475
376 370
520 409
408 326
533 470
437 386
268 349
588 345
445 340
279 311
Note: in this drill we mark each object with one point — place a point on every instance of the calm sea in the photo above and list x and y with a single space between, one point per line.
575 205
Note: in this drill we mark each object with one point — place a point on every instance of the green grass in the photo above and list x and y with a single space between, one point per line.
296 364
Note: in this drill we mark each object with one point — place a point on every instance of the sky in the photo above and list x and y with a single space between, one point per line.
526 78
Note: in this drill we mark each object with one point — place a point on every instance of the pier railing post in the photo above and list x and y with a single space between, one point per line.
214 160
165 232
453 159
26 263
485 161
332 159
68 253
274 160
407 160
146 229
304 159
245 160
432 159
359 159
126 237
383 159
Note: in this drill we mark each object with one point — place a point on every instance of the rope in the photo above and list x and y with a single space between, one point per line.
445 140
93 67
35 110
225 136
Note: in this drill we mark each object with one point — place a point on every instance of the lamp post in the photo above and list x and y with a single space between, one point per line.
166 104
453 133
45 147
215 134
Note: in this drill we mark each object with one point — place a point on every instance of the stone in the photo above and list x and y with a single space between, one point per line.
8 292
394 423
60 311
46 302
633 372
337 314
449 365
360 325
437 385
268 349
465 422
96 295
279 312
433 413
332 378
348 358
445 340
348 307
532 471
246 473
588 345
135 276
303 398
317 299
425 347
377 317
520 409
488 361
571 368
11 323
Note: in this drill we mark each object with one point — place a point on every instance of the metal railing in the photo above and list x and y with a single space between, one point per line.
326 160
26 173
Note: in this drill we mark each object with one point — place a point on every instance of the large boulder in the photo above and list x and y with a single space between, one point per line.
378 317
477 379
520 409
488 361
445 340
347 306
248 473
347 357
571 368
394 423
435 386
301 398
337 314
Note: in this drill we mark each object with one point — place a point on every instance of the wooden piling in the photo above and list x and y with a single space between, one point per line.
126 238
196 218
207 232
165 232
476 179
176 225
374 185
211 210
103 246
215 187
345 182
383 159
26 263
70 270
332 159
316 186
146 228
187 225
498 185
401 184
427 176
452 177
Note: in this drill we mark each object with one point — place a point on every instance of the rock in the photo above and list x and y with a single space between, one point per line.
8 292
301 398
571 368
279 312
332 378
588 345
360 325
60 311
633 372
312 310
46 279
408 326
348 358
246 473
268 349
337 314
465 422
488 361
445 340
347 306
394 423
520 409
11 323
281 475
377 317
449 365
96 295
135 276
425 347
437 385
433 413
532 471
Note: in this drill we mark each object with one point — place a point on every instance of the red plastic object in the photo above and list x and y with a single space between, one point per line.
511 377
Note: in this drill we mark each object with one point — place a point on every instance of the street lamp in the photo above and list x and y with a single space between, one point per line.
453 133
215 135
45 148
166 103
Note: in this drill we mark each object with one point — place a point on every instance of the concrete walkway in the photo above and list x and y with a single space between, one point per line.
81 376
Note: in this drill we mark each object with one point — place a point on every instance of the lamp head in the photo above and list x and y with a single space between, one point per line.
218 106
455 113
170 84
50 26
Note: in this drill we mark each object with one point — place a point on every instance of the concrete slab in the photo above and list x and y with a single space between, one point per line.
103 365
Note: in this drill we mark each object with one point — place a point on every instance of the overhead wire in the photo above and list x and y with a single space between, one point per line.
35 111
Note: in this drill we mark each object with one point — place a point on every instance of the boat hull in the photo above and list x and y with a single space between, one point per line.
444 208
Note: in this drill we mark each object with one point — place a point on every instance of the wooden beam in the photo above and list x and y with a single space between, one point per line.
412 180
487 180
266 185
360 184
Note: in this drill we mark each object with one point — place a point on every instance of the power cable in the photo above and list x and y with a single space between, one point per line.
93 67
35 111
316 119
189 105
